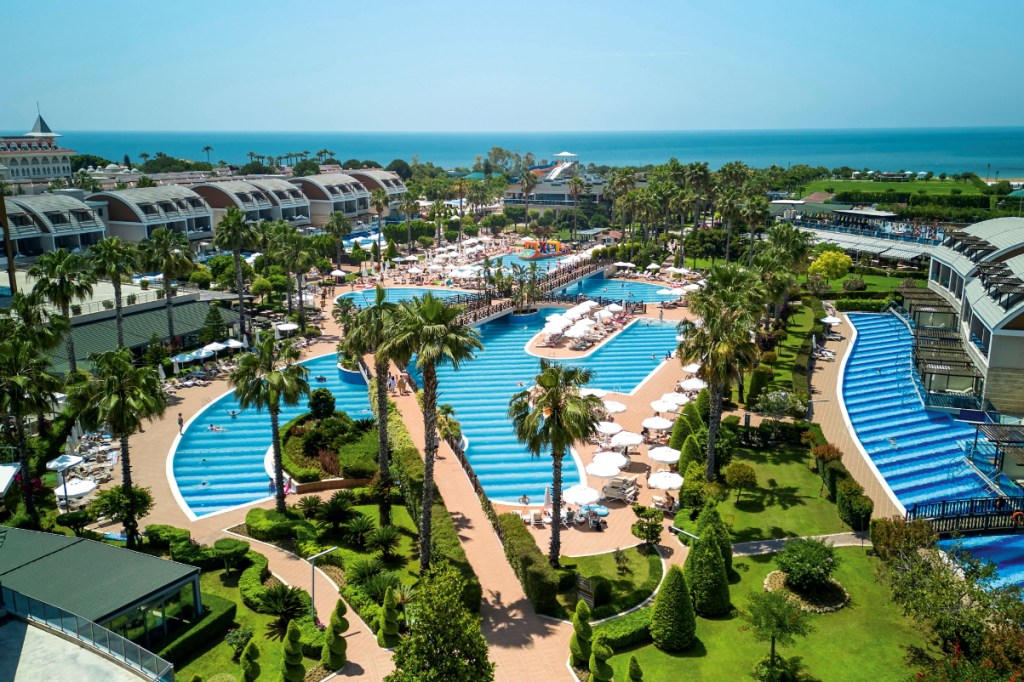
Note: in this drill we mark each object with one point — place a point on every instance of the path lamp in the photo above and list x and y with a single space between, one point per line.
312 581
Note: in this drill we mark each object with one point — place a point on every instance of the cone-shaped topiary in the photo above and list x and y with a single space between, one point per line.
680 432
250 668
579 644
673 624
693 417
333 655
600 652
690 452
294 670
705 572
635 673
387 621
709 522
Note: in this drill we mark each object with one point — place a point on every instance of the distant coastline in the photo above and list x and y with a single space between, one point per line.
949 150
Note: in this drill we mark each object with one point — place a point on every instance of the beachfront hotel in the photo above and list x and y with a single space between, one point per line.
333 192
374 178
132 214
262 200
34 156
45 222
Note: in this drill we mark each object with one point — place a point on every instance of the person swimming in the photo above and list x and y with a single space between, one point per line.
218 429
233 413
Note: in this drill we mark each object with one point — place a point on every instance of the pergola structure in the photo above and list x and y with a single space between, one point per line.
1008 440
928 309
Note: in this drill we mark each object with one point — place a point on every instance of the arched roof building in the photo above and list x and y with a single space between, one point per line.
133 214
332 192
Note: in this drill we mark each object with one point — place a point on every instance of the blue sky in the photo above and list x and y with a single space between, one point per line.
531 66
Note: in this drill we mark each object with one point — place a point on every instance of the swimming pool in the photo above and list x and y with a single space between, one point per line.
480 392
365 297
214 471
919 453
617 289
1005 551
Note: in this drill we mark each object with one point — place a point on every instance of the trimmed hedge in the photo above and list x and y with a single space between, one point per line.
633 628
250 583
853 505
863 305
802 361
538 578
270 525
218 616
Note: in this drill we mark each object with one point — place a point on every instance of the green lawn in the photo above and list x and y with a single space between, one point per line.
933 186
406 566
865 642
874 282
218 658
628 590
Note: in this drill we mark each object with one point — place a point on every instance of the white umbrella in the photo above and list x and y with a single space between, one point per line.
435 267
616 459
337 273
575 333
691 287
657 423
623 264
234 343
665 480
597 392
555 317
547 496
550 329
678 291
603 470
613 308
626 439
692 368
587 305
585 323
64 462
663 406
654 266
572 314
215 347
604 315
614 407
677 399
832 320
202 353
580 494
287 326
414 271
608 428
411 259
664 292
693 384
664 454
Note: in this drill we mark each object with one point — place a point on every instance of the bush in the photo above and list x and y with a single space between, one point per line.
834 472
238 638
807 563
769 357
283 601
690 453
579 643
602 590
294 669
538 578
250 583
230 551
218 615
270 525
861 305
710 524
600 652
854 283
705 572
853 505
759 380
673 624
624 631
160 537
321 403
680 432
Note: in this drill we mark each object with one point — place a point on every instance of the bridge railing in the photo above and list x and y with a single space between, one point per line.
972 515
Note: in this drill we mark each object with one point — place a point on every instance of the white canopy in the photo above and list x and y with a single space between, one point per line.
665 480
580 494
664 454
608 428
674 398
616 459
603 469
693 384
623 264
234 343
215 347
691 287
287 326
664 292
657 423
588 304
654 266
614 407
614 308
337 273
832 320
692 368
597 392
663 406
64 462
626 439
604 315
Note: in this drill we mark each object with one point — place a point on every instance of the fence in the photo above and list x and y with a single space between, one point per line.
971 516
91 635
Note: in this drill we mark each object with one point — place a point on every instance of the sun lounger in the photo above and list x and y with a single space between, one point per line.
537 518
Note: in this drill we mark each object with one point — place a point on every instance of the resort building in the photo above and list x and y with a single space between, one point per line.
333 192
133 214
34 156
375 178
44 222
289 202
263 199
971 317
552 190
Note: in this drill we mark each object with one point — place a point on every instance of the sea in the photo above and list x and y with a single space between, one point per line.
986 151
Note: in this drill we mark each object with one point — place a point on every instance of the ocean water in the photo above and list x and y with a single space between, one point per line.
950 150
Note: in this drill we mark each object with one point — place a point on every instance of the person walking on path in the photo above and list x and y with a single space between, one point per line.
181 423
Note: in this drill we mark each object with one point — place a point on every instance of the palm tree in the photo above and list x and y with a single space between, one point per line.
344 312
576 189
297 258
729 207
169 252
434 333
63 278
409 206
339 227
233 234
121 396
145 157
754 212
268 378
114 258
554 415
379 200
207 149
12 272
28 317
527 182
439 211
26 388
369 336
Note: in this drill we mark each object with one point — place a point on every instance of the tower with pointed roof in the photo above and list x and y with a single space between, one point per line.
35 157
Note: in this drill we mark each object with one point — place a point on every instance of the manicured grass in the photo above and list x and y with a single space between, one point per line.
800 324
628 589
866 641
933 186
406 565
874 282
218 658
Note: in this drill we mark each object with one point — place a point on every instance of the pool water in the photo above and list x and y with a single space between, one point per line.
215 471
1005 551
919 453
508 260
365 297
617 289
480 392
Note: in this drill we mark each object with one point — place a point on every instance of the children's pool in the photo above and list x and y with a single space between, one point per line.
366 297
617 289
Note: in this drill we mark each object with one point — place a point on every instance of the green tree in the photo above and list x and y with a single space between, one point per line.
305 167
831 265
673 624
710 524
444 643
647 526
213 328
705 573
234 234
333 656
62 278
579 643
807 563
740 477
231 551
261 287
387 621
145 181
774 618
294 669
169 252
114 259
321 403
379 202
338 227
121 396
266 378
123 506
553 415
635 674
409 206
600 652
527 183
293 250
250 666
436 334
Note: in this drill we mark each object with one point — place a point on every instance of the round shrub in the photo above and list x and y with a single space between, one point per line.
673 624
808 564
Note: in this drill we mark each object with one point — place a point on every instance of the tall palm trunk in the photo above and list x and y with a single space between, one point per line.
130 523
408 235
288 293
337 251
126 463
12 272
556 509
240 286
429 455
169 306
714 422
69 340
26 474
118 319
302 305
728 238
680 250
275 435
380 371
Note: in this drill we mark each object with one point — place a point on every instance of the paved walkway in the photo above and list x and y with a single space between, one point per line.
851 539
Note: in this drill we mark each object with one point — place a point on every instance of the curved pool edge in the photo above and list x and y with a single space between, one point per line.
840 394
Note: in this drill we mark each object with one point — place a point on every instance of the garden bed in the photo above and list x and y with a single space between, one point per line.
829 599
641 574
329 448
